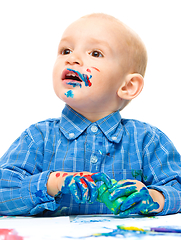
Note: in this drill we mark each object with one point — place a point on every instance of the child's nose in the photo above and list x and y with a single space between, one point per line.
74 58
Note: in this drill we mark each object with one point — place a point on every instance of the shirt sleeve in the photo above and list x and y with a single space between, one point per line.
162 169
22 181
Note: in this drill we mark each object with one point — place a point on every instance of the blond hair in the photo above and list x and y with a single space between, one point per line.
136 50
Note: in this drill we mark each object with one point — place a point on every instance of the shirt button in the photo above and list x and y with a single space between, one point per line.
71 135
94 129
93 159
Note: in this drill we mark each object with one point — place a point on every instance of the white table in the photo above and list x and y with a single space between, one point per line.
86 227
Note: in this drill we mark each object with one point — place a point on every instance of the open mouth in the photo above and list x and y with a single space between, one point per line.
70 75
73 75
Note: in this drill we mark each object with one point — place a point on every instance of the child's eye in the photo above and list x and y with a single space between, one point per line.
65 51
96 53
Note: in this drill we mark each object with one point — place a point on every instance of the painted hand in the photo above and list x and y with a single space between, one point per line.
138 199
83 187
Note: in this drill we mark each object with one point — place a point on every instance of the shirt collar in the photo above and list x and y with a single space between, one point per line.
73 124
112 127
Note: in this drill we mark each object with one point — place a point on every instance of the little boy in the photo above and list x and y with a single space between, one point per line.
56 166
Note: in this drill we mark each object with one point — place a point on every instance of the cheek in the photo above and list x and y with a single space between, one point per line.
56 77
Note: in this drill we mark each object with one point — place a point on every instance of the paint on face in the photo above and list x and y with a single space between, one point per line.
84 77
88 70
96 69
74 84
69 94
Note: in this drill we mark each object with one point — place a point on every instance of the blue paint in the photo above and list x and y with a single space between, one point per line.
119 190
74 84
136 201
104 178
83 188
139 202
103 197
69 94
84 77
127 184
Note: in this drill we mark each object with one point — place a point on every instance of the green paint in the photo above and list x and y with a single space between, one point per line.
136 173
103 196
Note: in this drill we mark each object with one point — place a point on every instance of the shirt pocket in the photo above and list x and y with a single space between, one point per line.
124 174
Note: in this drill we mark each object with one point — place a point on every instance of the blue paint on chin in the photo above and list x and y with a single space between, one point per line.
74 84
69 94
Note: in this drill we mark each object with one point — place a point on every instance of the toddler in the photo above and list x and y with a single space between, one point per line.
56 166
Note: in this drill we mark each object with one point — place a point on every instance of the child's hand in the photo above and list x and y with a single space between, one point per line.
138 201
81 185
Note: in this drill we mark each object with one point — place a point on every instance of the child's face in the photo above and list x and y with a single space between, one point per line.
93 52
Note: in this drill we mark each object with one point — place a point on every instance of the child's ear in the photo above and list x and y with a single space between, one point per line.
131 87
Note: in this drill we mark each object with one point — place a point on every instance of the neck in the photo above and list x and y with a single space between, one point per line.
93 116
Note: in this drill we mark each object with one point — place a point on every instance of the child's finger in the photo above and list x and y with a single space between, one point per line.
82 189
142 195
102 177
75 191
130 201
122 192
133 210
93 193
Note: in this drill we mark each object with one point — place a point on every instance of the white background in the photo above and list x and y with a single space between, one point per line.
29 35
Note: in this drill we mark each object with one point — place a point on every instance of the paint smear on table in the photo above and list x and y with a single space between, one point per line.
9 234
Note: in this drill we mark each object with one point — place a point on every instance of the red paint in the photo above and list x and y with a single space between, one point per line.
88 177
57 175
89 82
96 69
81 174
75 174
65 174
88 70
83 182
9 234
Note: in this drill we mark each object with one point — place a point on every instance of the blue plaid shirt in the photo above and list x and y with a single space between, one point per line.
122 148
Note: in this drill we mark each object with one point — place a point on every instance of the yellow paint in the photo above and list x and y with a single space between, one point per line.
131 228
